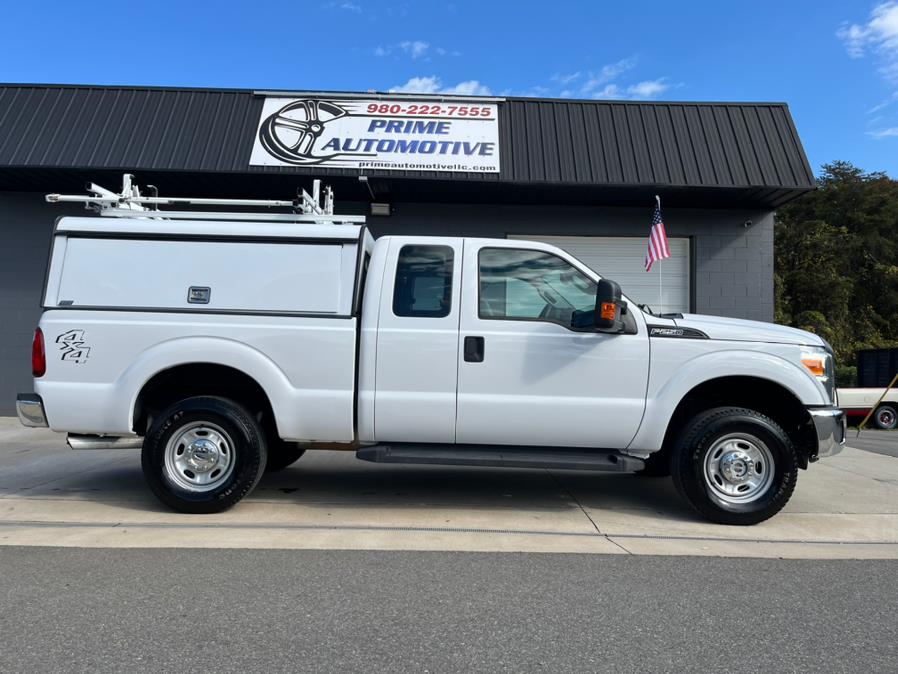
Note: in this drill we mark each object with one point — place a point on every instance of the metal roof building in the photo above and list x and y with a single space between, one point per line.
581 174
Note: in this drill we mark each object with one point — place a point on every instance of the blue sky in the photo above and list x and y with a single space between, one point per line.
835 63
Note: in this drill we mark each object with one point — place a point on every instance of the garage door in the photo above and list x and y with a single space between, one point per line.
621 258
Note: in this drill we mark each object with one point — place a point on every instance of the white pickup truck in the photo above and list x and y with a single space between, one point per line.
225 347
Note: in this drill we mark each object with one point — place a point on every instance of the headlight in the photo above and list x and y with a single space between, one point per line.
820 363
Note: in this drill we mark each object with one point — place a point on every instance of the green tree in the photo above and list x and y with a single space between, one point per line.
836 260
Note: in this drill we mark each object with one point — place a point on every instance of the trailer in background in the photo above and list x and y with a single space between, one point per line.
876 367
877 370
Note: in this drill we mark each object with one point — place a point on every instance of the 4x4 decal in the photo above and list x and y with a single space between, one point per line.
73 347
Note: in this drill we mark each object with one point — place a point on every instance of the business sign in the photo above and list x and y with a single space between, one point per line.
393 135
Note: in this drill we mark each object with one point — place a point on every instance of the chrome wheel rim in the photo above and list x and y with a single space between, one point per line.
199 457
739 468
885 417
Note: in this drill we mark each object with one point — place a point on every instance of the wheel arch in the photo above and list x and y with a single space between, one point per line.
768 397
672 383
226 368
187 380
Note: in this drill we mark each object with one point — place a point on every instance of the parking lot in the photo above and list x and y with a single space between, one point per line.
844 507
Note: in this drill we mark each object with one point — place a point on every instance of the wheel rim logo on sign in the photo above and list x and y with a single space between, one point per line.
290 133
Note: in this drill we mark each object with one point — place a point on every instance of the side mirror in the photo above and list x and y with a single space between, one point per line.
606 317
608 307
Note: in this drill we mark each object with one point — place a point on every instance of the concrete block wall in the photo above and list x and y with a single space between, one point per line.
26 225
734 269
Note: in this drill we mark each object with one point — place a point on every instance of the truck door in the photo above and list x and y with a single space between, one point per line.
526 378
417 341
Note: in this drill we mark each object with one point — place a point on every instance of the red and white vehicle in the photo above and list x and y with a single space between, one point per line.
857 403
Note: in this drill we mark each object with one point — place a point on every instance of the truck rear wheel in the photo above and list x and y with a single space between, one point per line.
886 417
734 465
203 454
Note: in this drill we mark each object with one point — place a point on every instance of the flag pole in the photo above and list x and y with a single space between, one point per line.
660 271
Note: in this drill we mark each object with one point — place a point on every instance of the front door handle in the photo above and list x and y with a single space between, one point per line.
474 349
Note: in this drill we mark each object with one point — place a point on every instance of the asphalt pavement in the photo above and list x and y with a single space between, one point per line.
880 442
339 565
335 611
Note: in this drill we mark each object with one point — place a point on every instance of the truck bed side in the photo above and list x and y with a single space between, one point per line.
98 362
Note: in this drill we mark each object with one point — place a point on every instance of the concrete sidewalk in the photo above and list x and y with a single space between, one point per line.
844 507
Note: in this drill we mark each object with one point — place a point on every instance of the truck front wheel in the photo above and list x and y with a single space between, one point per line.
734 465
203 454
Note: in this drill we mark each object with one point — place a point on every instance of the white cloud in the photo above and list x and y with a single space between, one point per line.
882 105
648 88
535 92
608 91
419 85
879 35
641 90
345 5
566 78
891 132
434 85
608 73
468 88
854 38
415 48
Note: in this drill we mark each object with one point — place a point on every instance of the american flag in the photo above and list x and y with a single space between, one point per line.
657 248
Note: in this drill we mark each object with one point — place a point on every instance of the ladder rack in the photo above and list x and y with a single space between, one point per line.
130 203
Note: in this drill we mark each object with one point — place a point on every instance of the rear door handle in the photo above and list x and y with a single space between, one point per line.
474 349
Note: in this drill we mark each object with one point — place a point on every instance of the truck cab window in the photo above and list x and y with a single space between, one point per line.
532 285
423 282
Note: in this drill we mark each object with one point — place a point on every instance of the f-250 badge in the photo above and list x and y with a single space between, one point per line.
73 347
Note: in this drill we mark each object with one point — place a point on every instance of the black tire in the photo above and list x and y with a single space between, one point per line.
243 445
282 454
886 417
715 428
657 465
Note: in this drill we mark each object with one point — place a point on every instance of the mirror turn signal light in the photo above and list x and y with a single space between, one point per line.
608 311
815 366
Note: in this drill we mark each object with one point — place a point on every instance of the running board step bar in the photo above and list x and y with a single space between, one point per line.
493 455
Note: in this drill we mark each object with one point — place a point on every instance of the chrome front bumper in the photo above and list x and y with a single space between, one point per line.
30 409
831 426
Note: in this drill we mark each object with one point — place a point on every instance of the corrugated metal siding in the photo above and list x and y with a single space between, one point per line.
616 143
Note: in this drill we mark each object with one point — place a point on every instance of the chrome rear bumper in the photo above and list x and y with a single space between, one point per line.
831 426
30 410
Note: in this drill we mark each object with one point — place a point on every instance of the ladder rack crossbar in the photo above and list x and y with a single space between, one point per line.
130 202
298 218
171 201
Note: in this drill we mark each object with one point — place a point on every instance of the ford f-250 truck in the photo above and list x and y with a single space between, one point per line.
227 347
